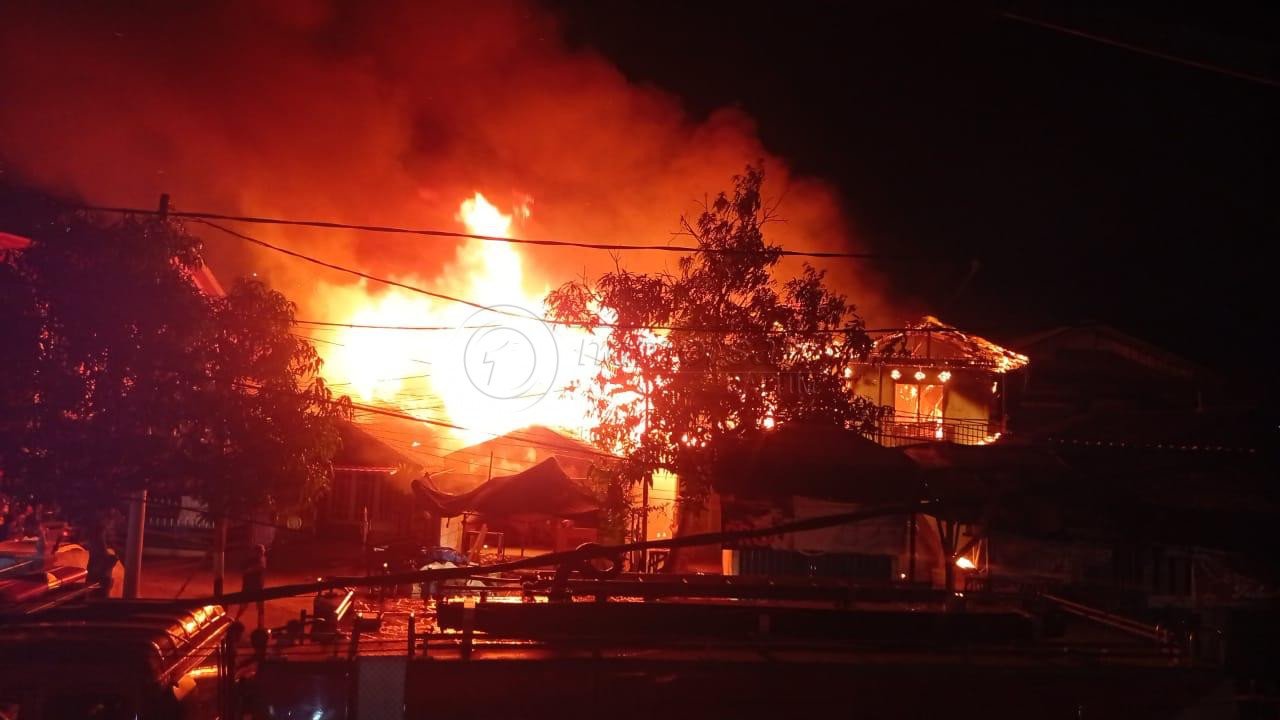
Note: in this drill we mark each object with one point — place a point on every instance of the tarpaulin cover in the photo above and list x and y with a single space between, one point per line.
542 490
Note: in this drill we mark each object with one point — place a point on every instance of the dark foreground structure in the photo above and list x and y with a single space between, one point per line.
643 646
539 644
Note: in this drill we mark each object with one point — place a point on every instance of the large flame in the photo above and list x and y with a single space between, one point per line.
486 372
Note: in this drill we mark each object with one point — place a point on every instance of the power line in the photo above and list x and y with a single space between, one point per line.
582 554
338 344
514 435
1209 67
406 439
496 310
719 329
330 225
380 380
565 323
350 271
374 326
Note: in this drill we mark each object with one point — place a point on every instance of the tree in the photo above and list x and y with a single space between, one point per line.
263 427
743 352
121 374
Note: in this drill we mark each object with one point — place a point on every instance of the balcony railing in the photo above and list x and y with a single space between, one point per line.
897 430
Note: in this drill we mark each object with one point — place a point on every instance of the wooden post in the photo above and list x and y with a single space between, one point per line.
478 545
644 503
1004 405
911 548
133 544
413 633
948 533
219 554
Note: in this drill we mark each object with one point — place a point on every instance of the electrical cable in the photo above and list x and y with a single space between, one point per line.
454 234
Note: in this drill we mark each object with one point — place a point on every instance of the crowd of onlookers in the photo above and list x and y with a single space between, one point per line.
21 518
28 519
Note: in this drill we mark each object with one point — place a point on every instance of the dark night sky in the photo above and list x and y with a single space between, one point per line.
1091 183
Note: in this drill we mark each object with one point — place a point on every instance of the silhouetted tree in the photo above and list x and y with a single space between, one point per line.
121 374
751 351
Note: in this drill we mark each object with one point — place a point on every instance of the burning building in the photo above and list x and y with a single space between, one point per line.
936 382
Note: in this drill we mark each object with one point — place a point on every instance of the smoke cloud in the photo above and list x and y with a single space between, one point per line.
373 113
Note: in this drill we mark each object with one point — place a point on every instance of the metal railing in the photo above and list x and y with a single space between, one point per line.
896 430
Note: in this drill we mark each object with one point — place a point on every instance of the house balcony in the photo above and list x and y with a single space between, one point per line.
896 430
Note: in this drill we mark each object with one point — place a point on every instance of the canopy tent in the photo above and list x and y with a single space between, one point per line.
542 490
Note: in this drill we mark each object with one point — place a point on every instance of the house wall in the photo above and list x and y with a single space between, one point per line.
968 393
354 489
970 410
969 397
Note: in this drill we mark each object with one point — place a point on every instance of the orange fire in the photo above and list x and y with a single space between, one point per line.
486 371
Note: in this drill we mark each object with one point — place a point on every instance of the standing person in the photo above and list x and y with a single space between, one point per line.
102 554
253 579
18 521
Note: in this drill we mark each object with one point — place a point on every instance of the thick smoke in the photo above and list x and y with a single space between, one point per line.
372 113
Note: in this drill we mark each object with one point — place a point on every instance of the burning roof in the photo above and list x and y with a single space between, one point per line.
521 449
361 450
934 341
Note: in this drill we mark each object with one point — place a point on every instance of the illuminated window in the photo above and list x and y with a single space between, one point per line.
917 403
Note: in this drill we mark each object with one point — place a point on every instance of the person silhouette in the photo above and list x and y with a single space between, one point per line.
253 579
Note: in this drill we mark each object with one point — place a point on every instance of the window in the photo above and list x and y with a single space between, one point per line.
914 403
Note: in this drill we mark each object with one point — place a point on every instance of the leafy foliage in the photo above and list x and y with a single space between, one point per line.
752 352
121 374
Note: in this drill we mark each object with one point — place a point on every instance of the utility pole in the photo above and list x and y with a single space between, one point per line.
133 544
219 553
